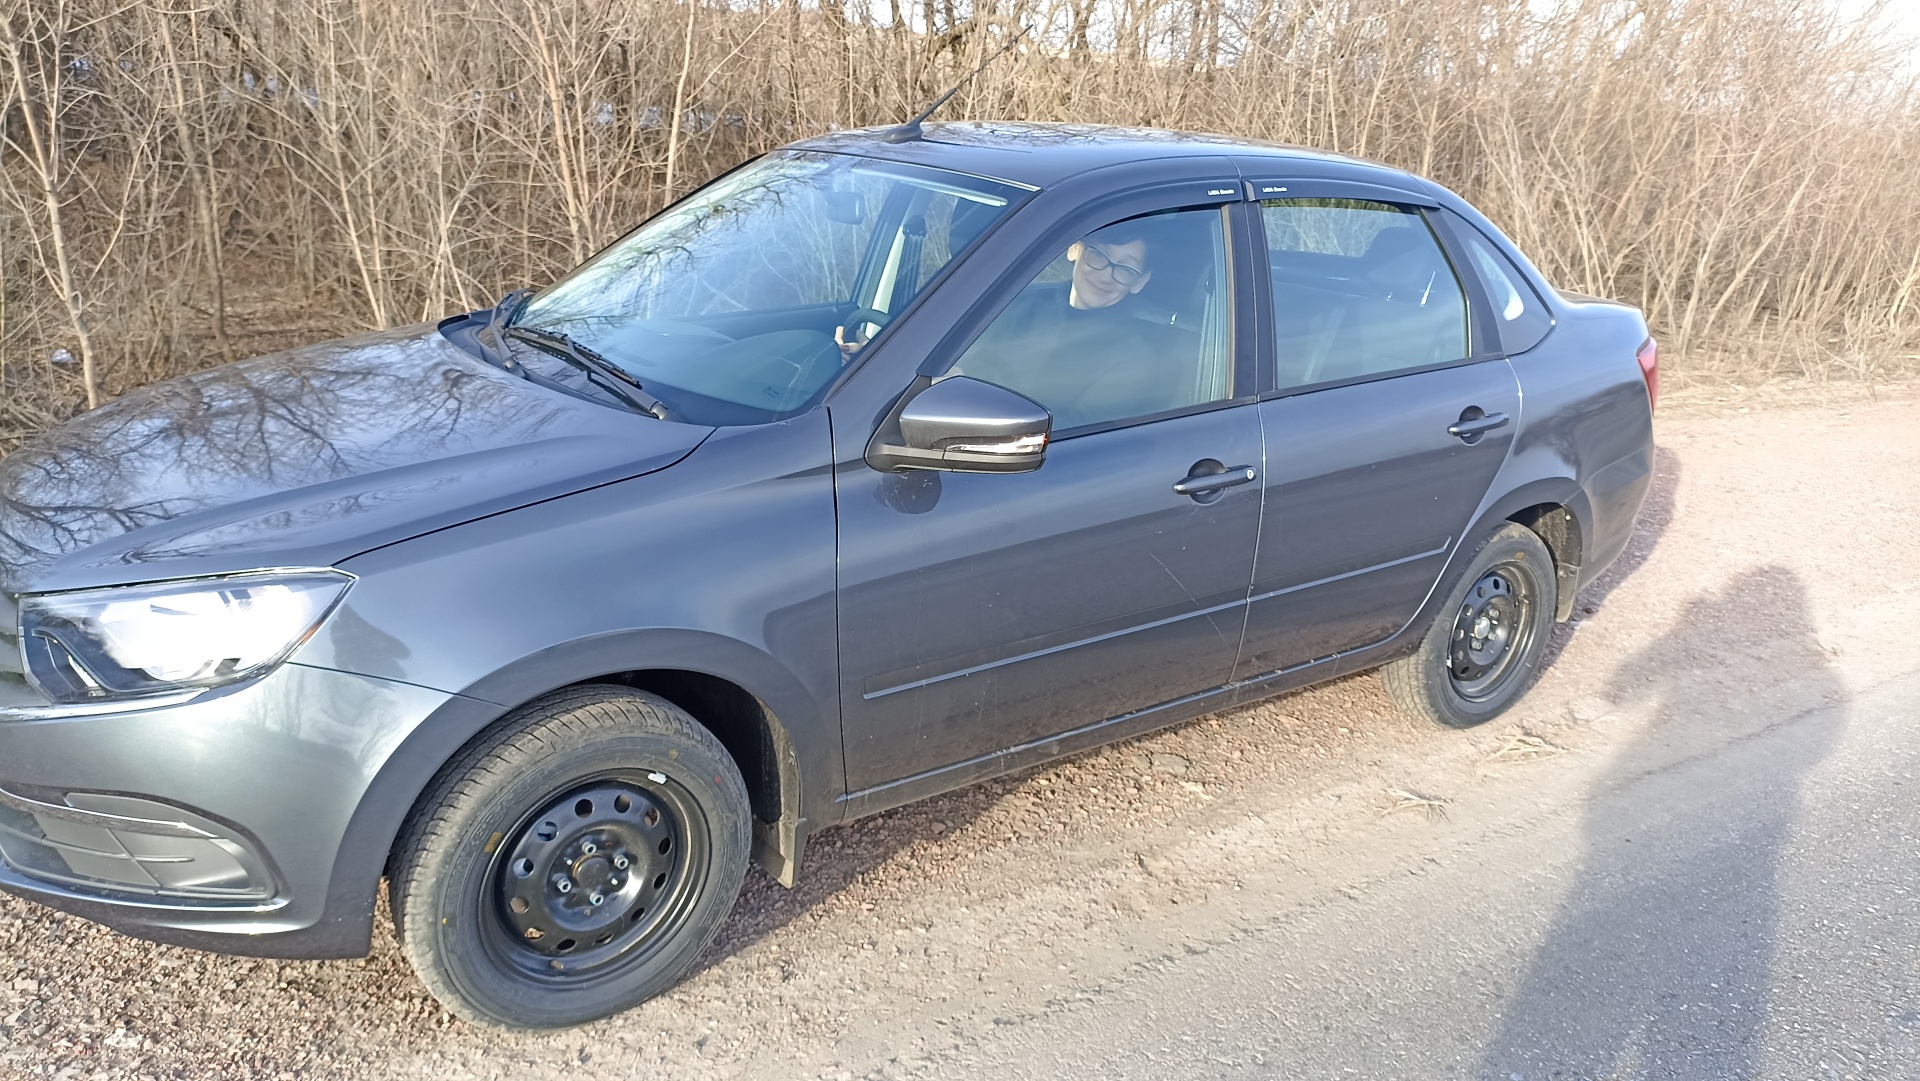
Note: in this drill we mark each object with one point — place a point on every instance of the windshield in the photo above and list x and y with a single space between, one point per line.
740 304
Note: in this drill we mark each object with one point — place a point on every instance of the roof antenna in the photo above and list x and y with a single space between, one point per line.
910 131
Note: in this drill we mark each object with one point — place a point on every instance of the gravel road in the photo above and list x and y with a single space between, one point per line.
1687 854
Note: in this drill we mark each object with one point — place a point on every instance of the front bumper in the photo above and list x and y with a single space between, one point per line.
223 823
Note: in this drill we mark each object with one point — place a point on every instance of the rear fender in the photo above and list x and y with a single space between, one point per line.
1561 490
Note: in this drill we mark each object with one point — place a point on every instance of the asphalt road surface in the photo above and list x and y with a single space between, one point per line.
1690 853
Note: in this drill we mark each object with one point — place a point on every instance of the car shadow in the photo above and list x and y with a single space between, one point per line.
1659 960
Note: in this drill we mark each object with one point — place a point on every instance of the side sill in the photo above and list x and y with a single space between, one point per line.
921 786
998 763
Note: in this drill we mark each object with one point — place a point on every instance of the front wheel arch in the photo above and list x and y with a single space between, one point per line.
810 770
759 743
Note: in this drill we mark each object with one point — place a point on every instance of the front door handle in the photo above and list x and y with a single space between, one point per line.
1209 483
1470 428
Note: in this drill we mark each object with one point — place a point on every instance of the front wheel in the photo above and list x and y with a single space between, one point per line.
572 864
1485 648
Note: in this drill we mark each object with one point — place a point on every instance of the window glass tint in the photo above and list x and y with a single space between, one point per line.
733 306
1129 321
1518 312
1359 288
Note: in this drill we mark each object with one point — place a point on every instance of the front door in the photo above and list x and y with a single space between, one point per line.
1383 437
980 613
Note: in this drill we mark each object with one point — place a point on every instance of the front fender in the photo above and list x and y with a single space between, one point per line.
402 779
814 736
722 565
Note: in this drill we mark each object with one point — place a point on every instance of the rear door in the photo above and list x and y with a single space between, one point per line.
1384 425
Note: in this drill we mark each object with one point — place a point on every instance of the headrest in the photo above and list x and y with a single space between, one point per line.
1401 259
1395 243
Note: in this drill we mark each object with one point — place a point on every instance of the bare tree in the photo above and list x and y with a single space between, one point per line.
187 180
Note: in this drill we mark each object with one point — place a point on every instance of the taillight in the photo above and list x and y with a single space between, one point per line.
1649 358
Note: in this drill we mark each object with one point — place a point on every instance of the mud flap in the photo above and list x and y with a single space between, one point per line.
777 847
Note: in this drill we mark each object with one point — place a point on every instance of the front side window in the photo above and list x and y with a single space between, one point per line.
1360 288
1129 321
743 302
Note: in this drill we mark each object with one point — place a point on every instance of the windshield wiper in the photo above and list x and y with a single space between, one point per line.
611 377
497 321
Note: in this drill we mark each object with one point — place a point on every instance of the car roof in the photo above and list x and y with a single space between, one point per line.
1038 155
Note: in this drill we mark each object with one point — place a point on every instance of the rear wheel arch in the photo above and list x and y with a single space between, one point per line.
1555 508
1557 527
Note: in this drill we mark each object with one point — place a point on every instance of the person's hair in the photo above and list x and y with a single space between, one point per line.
1149 228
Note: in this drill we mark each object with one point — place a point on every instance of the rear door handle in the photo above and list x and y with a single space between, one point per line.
1214 482
1471 428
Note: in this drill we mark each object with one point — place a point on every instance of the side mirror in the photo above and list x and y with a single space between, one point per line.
966 426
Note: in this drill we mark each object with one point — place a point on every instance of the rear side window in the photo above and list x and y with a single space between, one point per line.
1359 289
1519 314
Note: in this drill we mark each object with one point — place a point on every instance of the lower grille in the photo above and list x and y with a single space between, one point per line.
127 845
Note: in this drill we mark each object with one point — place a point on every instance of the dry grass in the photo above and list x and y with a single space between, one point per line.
183 181
1403 799
1524 746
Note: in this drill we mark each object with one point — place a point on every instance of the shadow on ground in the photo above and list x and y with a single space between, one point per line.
1659 961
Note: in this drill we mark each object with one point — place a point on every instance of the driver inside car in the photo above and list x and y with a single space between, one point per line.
1109 269
1091 348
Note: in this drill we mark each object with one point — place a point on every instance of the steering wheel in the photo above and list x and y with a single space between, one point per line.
851 335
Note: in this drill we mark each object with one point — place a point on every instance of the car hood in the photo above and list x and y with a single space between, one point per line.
304 458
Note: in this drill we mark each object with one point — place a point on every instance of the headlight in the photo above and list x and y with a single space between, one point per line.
127 641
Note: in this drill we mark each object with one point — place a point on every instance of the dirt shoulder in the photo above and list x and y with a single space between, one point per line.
1776 569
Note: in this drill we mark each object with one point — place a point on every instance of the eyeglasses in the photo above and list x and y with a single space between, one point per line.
1094 257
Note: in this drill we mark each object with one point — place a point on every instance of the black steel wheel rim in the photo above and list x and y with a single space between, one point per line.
1492 632
597 878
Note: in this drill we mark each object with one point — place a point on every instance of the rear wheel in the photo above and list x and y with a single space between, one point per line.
1484 649
574 863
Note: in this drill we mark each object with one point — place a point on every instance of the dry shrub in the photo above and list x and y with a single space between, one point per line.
191 180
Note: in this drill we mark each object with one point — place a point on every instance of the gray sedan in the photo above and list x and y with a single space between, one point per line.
883 464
